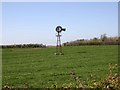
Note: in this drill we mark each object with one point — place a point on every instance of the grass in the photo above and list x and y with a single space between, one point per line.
39 67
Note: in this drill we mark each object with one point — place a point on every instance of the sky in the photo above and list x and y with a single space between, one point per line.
35 22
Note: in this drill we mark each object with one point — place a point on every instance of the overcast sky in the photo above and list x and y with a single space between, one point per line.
32 22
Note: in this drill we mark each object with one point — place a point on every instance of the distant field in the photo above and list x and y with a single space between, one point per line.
39 67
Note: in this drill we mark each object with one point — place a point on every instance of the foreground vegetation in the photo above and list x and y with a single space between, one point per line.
110 82
40 68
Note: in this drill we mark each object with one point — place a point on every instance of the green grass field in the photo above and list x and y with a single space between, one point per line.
39 67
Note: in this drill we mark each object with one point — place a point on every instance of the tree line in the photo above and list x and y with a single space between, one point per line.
24 46
102 40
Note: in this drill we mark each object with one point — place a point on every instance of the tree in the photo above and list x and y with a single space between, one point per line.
103 37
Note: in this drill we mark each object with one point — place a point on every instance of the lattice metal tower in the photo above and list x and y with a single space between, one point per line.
59 29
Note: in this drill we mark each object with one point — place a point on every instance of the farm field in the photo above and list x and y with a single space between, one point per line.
39 67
